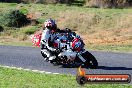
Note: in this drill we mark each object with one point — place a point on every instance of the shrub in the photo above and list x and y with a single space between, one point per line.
66 1
24 11
1 28
54 1
11 1
14 19
40 1
27 1
29 30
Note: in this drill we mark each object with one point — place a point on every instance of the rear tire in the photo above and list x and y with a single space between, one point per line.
91 61
42 47
44 56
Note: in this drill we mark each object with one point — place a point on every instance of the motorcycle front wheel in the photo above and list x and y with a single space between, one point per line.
91 61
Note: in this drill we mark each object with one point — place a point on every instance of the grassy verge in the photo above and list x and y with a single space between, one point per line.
113 48
11 78
17 43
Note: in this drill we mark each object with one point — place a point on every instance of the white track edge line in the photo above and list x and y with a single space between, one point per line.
20 68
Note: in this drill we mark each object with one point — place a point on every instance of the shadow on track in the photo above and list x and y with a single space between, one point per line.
71 66
113 68
99 67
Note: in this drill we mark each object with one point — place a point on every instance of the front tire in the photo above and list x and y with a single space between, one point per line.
91 61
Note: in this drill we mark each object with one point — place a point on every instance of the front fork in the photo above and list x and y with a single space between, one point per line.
81 58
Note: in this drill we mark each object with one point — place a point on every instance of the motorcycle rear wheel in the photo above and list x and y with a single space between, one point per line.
44 55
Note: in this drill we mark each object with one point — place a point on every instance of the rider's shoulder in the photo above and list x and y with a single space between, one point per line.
59 30
64 30
45 29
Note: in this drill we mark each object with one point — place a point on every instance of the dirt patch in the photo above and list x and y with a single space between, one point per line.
119 36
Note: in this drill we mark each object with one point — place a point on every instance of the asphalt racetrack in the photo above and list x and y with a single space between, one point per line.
30 58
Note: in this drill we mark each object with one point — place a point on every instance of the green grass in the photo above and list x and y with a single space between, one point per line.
12 78
17 43
28 30
113 48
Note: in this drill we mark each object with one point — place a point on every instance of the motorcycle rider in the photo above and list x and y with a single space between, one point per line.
47 40
48 35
